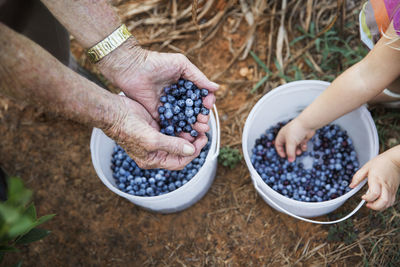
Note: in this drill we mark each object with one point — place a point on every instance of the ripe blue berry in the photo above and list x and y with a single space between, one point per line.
163 99
188 85
189 102
194 133
204 92
189 112
176 109
169 130
161 109
205 111
191 120
168 113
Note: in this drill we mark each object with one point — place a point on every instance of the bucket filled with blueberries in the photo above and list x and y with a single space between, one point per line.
316 183
163 190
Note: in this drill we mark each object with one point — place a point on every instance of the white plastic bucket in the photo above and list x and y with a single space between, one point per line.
101 147
286 102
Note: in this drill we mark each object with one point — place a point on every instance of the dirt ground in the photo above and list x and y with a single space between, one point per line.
230 226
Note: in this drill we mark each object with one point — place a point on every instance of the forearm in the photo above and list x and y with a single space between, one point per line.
88 21
28 73
346 93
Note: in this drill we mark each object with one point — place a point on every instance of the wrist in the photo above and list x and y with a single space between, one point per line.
129 55
394 155
304 124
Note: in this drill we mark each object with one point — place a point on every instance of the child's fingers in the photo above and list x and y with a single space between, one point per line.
374 191
303 145
279 145
382 202
291 150
360 175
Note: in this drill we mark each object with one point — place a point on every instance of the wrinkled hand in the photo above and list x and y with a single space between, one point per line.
292 140
383 181
142 75
138 133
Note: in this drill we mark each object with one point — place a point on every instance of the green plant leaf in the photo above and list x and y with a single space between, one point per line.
31 211
17 194
33 235
44 219
260 82
259 62
38 222
20 227
8 249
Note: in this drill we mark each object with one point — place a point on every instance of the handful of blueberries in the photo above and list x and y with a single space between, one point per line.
139 182
182 103
322 173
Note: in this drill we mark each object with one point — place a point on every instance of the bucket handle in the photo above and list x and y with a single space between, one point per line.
305 219
218 133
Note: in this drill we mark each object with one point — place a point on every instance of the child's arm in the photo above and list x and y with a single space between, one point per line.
383 174
354 87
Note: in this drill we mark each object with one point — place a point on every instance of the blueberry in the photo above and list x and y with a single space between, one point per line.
181 82
175 92
169 130
182 124
181 116
176 109
187 128
163 99
167 90
168 113
189 112
204 92
149 190
182 90
171 99
188 85
171 187
191 120
189 102
168 105
181 103
196 111
161 109
194 97
205 111
194 133
198 103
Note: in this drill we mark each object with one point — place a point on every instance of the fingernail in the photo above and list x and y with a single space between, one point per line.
215 84
188 150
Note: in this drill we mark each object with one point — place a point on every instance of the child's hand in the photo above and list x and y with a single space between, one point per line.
292 139
383 181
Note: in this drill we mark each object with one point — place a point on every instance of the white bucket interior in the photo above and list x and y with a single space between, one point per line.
286 102
102 146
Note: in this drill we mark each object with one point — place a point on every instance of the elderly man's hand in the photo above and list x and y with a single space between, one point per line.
142 75
138 133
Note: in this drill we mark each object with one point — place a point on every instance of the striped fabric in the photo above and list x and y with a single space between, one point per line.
376 16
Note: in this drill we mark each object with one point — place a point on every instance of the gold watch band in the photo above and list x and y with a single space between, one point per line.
110 43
